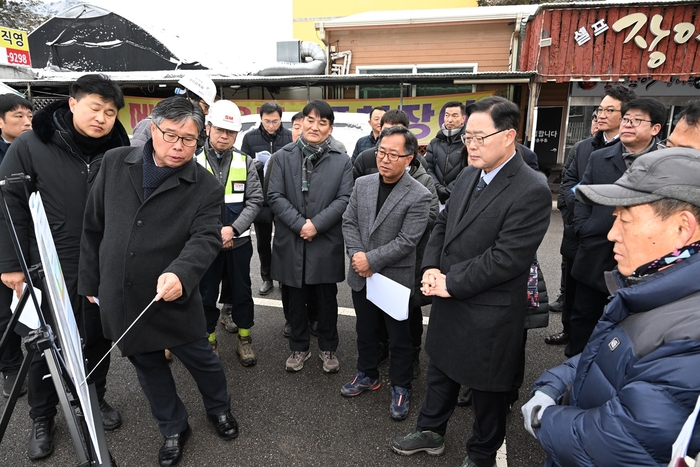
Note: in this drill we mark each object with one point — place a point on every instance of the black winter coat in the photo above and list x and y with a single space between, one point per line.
576 163
128 243
260 140
444 158
59 173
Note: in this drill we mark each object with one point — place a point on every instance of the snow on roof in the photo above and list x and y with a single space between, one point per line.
442 15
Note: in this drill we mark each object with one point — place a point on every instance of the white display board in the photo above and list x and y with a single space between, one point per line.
66 326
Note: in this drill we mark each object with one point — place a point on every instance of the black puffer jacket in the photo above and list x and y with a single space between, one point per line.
260 140
444 158
60 173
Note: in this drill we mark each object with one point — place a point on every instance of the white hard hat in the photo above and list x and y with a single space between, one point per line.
203 86
225 114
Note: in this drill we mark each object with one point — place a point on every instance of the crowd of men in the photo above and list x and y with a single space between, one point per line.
458 228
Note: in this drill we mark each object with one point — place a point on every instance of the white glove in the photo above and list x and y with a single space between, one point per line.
534 408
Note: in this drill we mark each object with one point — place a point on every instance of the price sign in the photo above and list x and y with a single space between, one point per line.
14 47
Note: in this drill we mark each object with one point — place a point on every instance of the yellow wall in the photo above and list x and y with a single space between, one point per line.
308 12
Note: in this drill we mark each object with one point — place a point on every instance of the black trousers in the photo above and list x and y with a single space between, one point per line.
158 384
41 392
263 234
311 305
11 359
588 308
415 323
490 411
236 263
327 306
570 285
370 319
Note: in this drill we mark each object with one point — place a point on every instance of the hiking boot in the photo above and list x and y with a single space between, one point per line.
418 441
416 362
287 330
383 352
296 360
111 419
226 320
400 403
465 398
214 344
330 361
41 440
360 384
244 349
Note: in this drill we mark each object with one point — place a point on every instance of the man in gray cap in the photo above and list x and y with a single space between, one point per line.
625 398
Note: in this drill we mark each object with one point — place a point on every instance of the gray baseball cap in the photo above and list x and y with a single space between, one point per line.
667 173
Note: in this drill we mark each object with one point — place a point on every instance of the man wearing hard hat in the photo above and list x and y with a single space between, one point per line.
198 89
243 198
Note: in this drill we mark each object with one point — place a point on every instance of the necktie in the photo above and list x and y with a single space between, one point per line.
478 189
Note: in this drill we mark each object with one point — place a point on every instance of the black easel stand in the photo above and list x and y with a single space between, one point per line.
42 340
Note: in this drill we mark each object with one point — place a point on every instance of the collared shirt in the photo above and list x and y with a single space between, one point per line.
491 175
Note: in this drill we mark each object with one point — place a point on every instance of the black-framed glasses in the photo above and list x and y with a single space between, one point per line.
608 112
635 122
173 138
381 154
479 140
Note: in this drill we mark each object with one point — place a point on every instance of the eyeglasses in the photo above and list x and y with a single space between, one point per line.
663 144
608 112
271 122
479 140
173 138
381 154
635 122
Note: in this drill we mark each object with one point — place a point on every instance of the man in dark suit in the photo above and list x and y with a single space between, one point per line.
476 269
130 262
386 217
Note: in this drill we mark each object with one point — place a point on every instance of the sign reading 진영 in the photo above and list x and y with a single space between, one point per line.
14 47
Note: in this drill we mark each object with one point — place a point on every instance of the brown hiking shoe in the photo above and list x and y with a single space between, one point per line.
244 349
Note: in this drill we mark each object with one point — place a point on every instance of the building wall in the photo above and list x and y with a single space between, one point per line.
308 12
487 44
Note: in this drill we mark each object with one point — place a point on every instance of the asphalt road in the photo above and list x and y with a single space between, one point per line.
297 419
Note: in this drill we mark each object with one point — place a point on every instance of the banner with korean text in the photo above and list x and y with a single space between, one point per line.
426 114
14 47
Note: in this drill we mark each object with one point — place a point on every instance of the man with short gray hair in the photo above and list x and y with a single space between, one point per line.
151 231
625 398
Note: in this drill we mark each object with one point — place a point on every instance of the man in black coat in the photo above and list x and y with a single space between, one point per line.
444 152
269 137
310 186
15 119
62 155
476 268
130 261
608 119
641 122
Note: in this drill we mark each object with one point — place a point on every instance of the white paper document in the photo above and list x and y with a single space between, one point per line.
29 316
680 447
389 295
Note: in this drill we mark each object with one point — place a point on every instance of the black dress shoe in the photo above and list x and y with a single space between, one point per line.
226 426
9 384
111 419
557 305
465 398
560 338
41 439
265 288
170 452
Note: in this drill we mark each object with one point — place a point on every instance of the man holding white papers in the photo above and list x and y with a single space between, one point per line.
384 221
